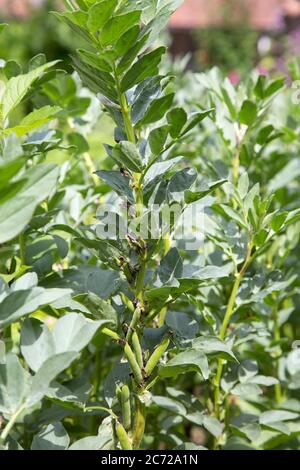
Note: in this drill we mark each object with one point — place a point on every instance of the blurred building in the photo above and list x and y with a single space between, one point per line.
260 14
277 16
227 33
18 8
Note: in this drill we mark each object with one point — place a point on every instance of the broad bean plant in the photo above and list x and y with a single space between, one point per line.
149 298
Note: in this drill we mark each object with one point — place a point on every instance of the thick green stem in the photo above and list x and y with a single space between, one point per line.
140 281
6 431
139 423
140 414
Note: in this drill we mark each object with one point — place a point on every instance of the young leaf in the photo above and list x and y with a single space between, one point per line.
17 88
127 156
187 361
53 437
157 109
192 196
176 118
117 26
248 113
143 68
100 13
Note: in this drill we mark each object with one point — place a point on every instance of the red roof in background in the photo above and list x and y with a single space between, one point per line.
262 14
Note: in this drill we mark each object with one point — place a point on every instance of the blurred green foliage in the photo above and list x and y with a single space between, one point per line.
40 32
228 47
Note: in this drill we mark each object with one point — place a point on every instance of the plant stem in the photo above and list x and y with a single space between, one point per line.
277 338
22 248
236 159
140 412
140 281
139 423
125 109
87 158
90 167
5 433
236 167
225 324
100 408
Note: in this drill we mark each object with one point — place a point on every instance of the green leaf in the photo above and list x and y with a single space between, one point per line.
118 182
130 53
233 214
273 87
194 120
171 266
213 425
243 185
98 307
16 212
14 382
158 170
278 221
127 156
37 343
260 86
143 68
102 282
157 109
50 369
104 439
72 333
157 139
100 13
96 80
95 60
169 404
192 196
37 118
180 182
213 345
247 370
117 26
2 352
187 361
124 47
22 300
275 416
176 118
52 437
11 69
183 324
248 113
76 20
17 88
143 96
246 390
